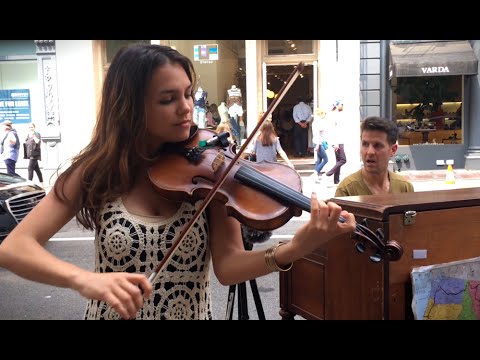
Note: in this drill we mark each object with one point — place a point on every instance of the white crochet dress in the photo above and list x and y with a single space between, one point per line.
125 242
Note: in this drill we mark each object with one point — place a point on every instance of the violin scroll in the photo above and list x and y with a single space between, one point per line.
367 239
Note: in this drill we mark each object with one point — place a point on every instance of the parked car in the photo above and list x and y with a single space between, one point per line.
17 197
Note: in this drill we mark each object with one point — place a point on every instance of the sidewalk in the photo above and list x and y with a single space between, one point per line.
429 180
422 180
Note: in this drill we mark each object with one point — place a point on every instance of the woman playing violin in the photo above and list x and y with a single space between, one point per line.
146 103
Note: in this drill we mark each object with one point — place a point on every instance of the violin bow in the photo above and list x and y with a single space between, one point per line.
185 230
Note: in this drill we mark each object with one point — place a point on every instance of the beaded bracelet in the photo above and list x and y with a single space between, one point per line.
270 259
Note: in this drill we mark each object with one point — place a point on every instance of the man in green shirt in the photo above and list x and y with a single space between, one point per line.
378 144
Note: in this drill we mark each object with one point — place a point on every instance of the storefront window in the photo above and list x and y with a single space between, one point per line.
428 110
21 98
220 68
290 47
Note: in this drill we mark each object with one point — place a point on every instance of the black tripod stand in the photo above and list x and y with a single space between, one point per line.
242 297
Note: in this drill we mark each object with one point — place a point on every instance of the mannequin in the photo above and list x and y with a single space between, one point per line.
200 107
234 96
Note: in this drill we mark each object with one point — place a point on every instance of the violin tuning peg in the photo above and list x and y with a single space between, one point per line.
360 247
376 258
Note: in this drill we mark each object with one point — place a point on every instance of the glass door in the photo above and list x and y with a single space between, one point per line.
274 77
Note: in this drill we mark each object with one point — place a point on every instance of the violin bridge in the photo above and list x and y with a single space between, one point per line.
218 161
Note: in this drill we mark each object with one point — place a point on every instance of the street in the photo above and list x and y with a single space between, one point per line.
23 299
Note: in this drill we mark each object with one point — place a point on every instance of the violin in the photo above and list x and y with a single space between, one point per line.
263 196
199 163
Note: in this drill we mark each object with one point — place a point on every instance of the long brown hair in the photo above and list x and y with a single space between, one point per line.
267 134
110 163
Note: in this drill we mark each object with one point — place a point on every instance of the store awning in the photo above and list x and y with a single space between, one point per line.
432 59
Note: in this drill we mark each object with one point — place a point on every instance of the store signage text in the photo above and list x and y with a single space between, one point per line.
208 52
15 106
435 69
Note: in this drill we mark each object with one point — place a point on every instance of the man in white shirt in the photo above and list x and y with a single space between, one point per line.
302 115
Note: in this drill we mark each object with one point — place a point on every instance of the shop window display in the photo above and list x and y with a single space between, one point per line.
428 110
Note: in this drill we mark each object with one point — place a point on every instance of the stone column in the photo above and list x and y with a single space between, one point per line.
47 76
471 123
251 84
471 116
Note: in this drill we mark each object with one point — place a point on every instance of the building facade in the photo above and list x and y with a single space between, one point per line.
64 80
430 88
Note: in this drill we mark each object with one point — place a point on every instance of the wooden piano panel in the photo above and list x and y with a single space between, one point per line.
344 284
305 298
447 235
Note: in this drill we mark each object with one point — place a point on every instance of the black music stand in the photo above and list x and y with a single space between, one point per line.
242 297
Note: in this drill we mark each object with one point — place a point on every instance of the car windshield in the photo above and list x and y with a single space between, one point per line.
7 179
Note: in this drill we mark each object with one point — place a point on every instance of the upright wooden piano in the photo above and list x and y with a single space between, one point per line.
338 281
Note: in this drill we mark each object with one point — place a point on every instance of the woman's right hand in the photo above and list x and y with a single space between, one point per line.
124 292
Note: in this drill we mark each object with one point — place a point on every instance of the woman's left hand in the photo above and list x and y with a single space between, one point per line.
324 225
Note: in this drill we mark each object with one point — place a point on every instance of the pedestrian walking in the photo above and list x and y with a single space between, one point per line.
32 150
9 147
338 145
